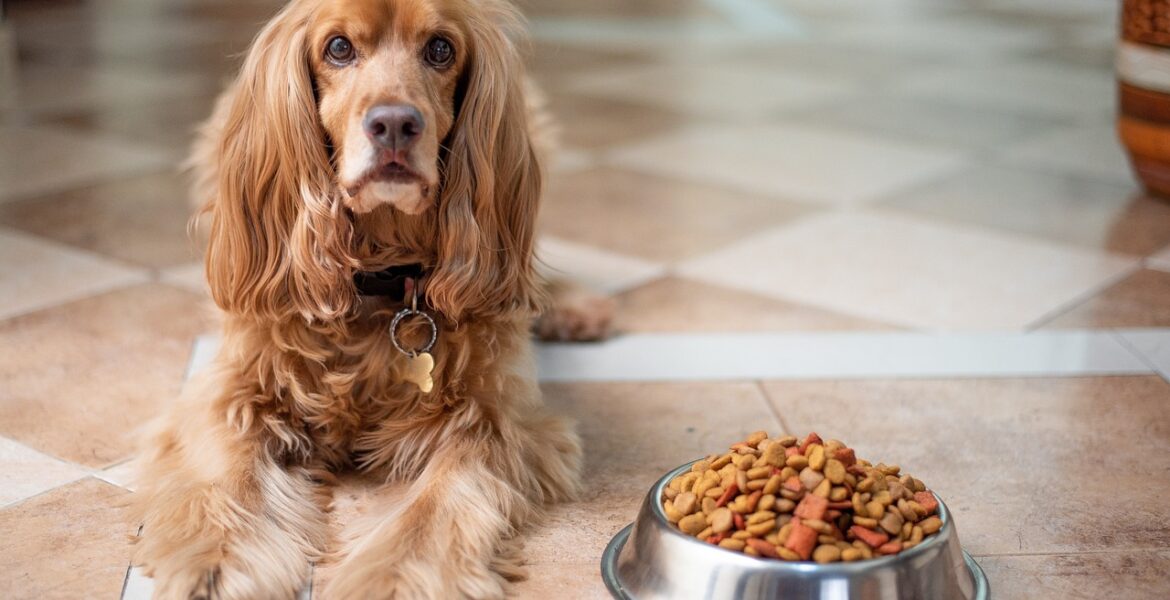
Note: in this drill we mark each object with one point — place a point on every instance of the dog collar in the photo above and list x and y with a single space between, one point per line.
391 281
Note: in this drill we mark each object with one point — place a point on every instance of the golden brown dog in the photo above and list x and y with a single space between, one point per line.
359 135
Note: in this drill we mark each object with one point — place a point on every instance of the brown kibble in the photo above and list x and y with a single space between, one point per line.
793 499
892 522
762 528
732 544
834 471
721 520
760 517
693 524
773 455
816 457
811 478
826 554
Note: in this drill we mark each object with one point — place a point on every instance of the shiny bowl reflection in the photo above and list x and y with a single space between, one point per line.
650 559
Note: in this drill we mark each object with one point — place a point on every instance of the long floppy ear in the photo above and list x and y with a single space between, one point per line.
491 183
279 238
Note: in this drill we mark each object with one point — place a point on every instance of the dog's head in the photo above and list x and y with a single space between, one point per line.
343 107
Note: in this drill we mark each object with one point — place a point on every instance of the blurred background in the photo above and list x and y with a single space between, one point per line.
935 167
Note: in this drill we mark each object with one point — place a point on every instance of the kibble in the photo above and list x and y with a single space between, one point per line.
801 499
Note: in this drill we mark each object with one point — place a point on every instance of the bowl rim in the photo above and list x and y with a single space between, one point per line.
843 568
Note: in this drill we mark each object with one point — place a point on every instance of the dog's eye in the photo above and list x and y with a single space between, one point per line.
339 50
439 52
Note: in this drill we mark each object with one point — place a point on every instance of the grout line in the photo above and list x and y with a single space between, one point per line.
772 407
1082 298
1072 553
1146 360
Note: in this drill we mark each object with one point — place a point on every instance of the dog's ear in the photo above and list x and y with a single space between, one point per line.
278 234
491 180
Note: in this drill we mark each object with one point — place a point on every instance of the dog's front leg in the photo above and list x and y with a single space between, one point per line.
442 538
222 515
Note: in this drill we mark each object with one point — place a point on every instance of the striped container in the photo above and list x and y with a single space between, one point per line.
1143 77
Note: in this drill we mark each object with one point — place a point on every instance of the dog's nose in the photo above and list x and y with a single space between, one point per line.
393 126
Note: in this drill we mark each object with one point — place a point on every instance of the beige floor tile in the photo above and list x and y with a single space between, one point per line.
673 304
54 88
87 374
927 121
70 543
1140 300
169 124
652 217
592 267
24 472
1069 208
35 273
189 276
1046 88
573 581
912 272
789 162
633 434
587 121
954 37
1026 465
140 220
725 92
42 160
1092 150
1131 574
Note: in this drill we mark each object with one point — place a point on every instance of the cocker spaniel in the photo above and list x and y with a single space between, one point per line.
372 183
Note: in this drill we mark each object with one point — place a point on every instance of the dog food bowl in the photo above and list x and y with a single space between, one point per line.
650 559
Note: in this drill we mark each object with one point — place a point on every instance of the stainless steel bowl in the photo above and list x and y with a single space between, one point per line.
651 559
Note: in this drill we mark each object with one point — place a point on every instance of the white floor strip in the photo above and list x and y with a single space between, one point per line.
755 16
714 356
840 355
141 587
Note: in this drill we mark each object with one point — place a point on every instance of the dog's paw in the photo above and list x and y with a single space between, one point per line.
577 317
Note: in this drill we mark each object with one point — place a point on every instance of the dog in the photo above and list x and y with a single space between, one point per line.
372 180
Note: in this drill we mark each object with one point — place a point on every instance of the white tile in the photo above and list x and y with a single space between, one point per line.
188 276
789 161
715 357
653 34
598 269
571 160
35 273
947 36
43 160
911 272
24 472
140 587
720 91
1152 344
1160 260
1092 150
1051 89
121 474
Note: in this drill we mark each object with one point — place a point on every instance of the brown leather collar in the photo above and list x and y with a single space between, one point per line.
390 282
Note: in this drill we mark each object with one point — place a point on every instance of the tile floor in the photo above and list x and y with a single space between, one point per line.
903 223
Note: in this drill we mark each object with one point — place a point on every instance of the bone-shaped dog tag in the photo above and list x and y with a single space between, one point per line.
418 371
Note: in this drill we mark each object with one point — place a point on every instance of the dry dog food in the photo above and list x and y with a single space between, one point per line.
801 500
